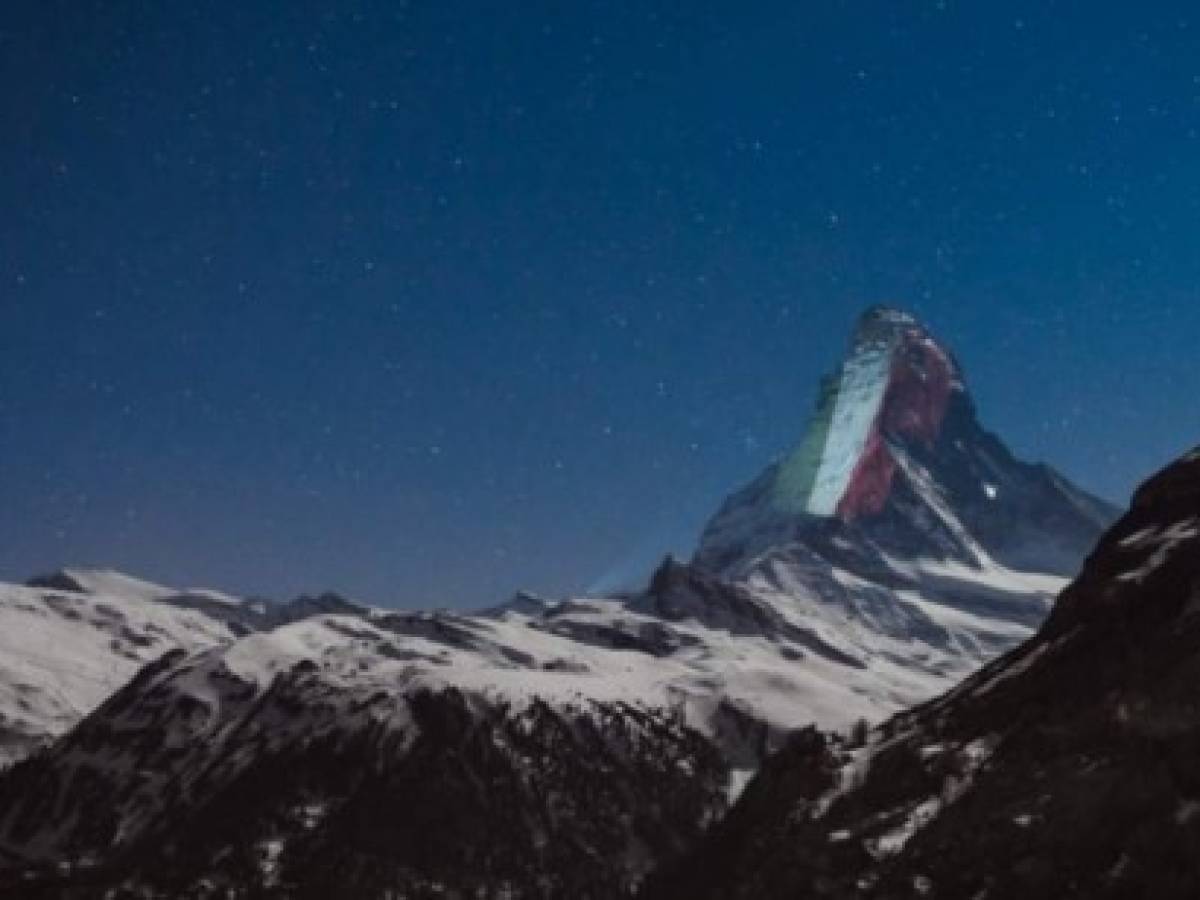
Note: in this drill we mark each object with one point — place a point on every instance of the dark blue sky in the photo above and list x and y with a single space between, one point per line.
427 301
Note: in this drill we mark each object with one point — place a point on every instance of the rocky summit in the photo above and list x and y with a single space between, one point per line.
894 460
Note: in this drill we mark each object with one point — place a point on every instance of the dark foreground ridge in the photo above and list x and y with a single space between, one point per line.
545 803
1068 768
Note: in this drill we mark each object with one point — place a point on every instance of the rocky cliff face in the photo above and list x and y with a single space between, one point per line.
1067 768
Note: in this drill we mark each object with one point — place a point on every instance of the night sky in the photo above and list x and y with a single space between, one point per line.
429 301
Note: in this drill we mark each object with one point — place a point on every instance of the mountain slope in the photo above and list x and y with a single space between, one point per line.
322 742
1068 768
70 639
64 650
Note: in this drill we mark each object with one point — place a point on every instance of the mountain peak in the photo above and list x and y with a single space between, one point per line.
882 317
893 447
101 581
883 325
895 382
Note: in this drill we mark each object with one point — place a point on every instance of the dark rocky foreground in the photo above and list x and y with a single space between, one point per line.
482 803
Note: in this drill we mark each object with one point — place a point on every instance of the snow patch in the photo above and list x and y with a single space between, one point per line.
1187 811
1162 541
738 780
892 842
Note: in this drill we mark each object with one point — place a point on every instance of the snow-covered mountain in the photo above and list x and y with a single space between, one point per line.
895 551
894 464
68 642
70 639
1067 768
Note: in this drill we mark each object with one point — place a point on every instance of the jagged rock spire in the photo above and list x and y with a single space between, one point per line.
894 451
895 381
